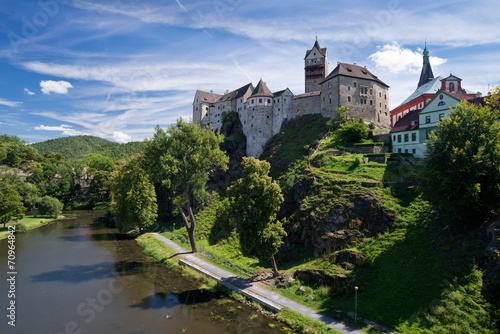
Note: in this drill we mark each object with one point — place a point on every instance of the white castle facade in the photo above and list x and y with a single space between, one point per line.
262 112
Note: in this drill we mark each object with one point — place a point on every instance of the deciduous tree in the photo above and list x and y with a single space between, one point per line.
133 196
11 206
255 199
50 206
182 158
463 163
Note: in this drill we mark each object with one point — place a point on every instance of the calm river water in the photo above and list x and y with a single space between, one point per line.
74 276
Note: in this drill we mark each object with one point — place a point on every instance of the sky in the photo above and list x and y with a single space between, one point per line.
117 68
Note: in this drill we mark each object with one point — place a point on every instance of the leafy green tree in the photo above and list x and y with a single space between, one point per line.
182 158
11 206
255 200
50 206
353 132
493 99
133 196
463 163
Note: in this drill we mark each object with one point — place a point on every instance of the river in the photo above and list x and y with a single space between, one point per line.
75 276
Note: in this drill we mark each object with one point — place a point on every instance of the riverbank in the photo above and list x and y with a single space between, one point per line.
293 314
29 223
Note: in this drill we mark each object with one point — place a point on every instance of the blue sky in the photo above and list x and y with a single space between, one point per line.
117 68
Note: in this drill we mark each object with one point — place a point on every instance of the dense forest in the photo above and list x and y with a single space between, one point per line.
78 146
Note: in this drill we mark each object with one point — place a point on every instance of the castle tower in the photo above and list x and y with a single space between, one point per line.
426 74
259 119
315 67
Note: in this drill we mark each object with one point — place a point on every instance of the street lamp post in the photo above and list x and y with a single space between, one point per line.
174 230
356 304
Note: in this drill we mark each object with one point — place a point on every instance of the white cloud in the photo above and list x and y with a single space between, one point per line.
27 91
58 87
64 128
397 59
121 137
8 103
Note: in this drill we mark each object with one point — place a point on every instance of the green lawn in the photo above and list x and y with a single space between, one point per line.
27 223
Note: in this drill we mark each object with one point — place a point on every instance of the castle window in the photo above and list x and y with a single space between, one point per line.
348 99
329 85
260 100
330 97
348 88
269 101
371 91
371 102
355 85
399 138
385 96
379 94
406 137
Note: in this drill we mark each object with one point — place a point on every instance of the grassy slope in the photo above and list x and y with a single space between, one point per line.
76 147
417 276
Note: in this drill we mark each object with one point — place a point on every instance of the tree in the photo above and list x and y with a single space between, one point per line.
463 163
255 199
493 99
50 206
133 196
11 207
181 159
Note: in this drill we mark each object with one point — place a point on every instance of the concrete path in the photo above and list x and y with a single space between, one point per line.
251 290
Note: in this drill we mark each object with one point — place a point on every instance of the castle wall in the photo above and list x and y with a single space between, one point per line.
365 98
304 106
281 108
259 129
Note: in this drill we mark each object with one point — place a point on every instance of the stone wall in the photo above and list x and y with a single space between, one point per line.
259 129
304 106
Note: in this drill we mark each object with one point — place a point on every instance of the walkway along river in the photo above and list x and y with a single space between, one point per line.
74 276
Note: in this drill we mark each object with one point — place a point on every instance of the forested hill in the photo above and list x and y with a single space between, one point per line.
77 146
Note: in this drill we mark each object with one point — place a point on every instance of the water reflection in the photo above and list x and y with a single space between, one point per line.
78 273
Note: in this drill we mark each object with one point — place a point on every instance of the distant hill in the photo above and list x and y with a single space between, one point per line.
77 146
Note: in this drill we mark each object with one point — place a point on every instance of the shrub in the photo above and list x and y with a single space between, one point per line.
353 132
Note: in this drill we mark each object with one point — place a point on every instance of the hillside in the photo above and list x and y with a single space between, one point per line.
353 222
77 146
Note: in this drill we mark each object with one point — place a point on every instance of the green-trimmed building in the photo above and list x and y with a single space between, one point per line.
411 132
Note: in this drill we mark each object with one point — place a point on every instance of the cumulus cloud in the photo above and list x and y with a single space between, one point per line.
58 87
121 137
64 128
397 59
8 103
27 91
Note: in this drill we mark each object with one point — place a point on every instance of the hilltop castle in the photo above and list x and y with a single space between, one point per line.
262 112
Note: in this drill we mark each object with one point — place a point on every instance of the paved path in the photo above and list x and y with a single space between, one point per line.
255 290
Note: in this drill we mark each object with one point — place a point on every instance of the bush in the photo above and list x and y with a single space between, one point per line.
353 132
50 206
